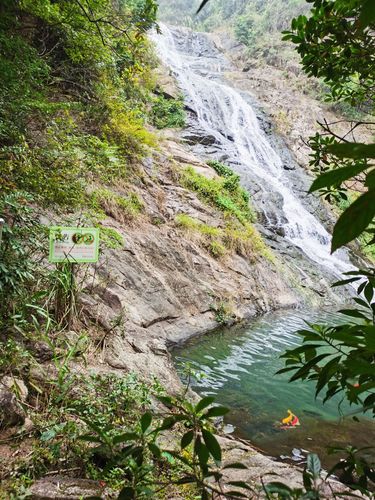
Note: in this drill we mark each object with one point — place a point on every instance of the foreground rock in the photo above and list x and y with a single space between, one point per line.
66 488
261 468
11 412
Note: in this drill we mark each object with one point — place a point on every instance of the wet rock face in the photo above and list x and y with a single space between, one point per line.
199 137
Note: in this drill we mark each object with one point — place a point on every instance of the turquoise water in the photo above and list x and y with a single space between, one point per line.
239 368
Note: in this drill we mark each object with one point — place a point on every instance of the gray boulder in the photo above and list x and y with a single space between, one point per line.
11 412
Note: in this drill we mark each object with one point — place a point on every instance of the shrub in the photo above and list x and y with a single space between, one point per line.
121 208
223 311
216 249
66 122
126 130
232 238
229 198
223 170
23 240
210 236
168 113
245 241
110 238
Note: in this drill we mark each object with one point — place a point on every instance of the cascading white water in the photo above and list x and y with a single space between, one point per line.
223 113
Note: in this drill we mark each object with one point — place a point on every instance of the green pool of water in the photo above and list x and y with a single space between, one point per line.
239 368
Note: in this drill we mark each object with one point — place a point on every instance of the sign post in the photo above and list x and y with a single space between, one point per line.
73 245
2 222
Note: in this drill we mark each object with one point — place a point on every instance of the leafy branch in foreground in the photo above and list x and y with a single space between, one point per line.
336 43
341 358
196 458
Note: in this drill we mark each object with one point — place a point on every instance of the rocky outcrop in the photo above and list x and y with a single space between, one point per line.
160 288
11 412
66 488
260 468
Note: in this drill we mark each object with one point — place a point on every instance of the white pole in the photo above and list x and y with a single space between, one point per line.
2 222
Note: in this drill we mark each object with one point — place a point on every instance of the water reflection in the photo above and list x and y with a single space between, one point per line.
239 369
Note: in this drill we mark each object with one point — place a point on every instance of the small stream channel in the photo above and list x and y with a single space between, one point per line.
239 368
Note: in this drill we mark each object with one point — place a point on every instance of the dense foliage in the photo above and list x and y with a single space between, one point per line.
75 92
75 85
336 43
348 71
168 113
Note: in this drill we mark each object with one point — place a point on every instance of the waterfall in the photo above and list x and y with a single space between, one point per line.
224 113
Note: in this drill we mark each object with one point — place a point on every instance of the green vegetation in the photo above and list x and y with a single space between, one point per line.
257 24
168 113
65 120
110 238
349 79
103 426
122 208
232 238
340 359
223 311
224 193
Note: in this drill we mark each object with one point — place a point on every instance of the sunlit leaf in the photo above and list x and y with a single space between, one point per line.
146 420
203 403
313 464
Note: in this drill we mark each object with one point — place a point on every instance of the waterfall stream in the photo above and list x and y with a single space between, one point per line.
224 113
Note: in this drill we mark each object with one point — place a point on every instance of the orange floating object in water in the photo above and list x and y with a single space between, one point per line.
291 420
295 421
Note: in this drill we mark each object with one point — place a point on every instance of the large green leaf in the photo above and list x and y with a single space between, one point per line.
212 445
352 150
216 411
305 369
201 451
336 176
186 439
146 420
354 220
313 464
203 403
127 436
326 372
367 16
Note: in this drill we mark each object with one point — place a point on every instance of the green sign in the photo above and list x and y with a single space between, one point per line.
73 244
